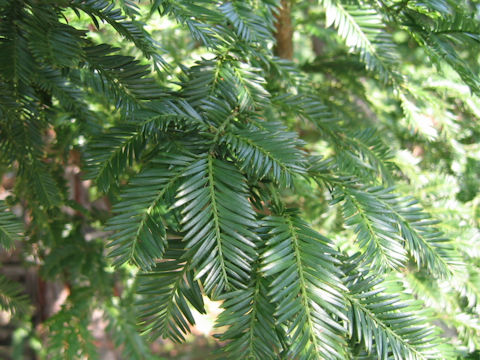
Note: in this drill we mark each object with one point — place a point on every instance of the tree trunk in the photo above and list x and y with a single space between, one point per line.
284 31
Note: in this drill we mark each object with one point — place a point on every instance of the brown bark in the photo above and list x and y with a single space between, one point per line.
317 46
284 31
